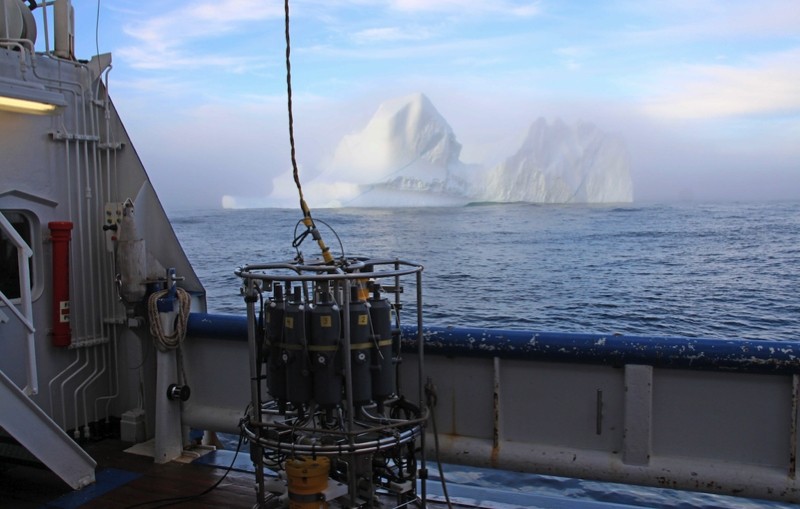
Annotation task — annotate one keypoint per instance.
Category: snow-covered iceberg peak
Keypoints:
(412, 127)
(558, 163)
(407, 145)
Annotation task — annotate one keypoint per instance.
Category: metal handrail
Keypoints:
(24, 253)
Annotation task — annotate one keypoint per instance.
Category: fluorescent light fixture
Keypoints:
(32, 98)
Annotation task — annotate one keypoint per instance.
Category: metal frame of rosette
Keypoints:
(354, 434)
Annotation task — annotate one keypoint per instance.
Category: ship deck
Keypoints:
(128, 480)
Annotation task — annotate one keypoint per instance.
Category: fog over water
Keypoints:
(703, 94)
(408, 155)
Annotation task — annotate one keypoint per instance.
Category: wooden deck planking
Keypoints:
(24, 487)
(181, 480)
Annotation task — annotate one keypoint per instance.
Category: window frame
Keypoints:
(30, 233)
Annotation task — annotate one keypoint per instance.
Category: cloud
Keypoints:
(699, 19)
(467, 7)
(174, 59)
(166, 41)
(168, 86)
(390, 34)
(457, 49)
(572, 56)
(770, 18)
(761, 86)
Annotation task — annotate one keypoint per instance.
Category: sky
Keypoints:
(705, 93)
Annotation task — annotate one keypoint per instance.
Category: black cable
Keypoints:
(166, 502)
(299, 238)
(430, 394)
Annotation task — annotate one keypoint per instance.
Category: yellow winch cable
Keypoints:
(307, 219)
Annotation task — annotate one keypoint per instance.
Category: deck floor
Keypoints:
(130, 479)
(133, 481)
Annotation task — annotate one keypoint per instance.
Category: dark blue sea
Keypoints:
(720, 270)
(682, 269)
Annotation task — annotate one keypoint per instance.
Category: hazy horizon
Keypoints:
(703, 93)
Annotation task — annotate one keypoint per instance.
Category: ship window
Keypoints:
(9, 265)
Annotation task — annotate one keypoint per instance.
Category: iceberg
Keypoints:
(408, 156)
(558, 163)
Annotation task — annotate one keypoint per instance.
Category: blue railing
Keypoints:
(756, 356)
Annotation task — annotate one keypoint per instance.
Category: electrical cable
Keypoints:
(430, 396)
(166, 502)
(299, 238)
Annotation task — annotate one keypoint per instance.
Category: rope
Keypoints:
(166, 342)
(295, 171)
(307, 219)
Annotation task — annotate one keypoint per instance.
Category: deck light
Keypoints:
(22, 97)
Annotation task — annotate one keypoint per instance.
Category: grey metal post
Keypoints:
(348, 388)
(250, 298)
(422, 403)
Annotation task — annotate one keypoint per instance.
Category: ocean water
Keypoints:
(716, 270)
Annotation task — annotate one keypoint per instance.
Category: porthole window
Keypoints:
(9, 265)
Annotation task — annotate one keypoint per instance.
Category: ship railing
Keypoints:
(24, 254)
(701, 414)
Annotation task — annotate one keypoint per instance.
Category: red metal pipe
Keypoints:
(60, 235)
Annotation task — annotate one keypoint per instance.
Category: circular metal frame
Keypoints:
(350, 437)
(321, 271)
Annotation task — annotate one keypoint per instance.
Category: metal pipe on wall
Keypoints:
(113, 375)
(64, 383)
(108, 261)
(81, 386)
(53, 380)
